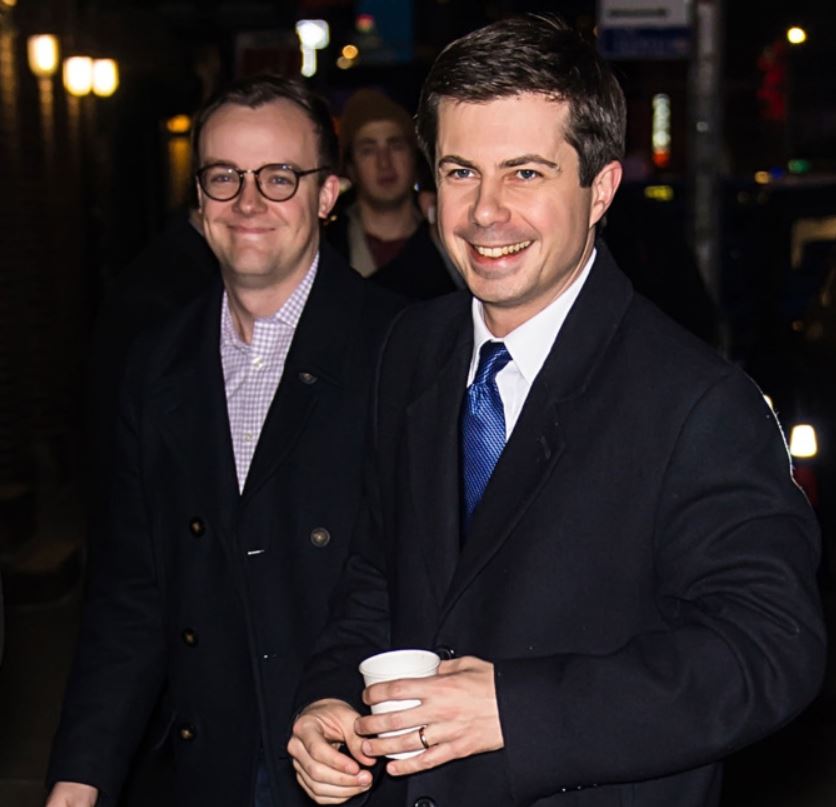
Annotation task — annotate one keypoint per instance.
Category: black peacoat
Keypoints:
(640, 570)
(211, 597)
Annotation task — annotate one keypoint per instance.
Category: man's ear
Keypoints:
(328, 195)
(604, 186)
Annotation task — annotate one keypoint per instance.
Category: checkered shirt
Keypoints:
(252, 372)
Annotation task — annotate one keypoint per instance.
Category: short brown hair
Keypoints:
(532, 53)
(255, 91)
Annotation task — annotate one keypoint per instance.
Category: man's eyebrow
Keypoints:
(514, 162)
(454, 159)
(524, 159)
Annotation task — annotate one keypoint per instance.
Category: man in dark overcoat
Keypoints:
(588, 514)
(236, 477)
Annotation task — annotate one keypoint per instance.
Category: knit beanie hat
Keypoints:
(365, 106)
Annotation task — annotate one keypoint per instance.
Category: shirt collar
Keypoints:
(288, 315)
(529, 344)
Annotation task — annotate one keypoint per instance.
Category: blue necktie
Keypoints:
(482, 425)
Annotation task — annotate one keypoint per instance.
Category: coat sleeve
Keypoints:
(118, 669)
(741, 649)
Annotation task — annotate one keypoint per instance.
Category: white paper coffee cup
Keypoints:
(391, 666)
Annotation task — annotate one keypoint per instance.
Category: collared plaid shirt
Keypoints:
(252, 372)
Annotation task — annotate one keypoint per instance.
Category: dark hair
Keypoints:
(255, 91)
(531, 53)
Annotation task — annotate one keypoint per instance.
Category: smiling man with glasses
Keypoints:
(236, 477)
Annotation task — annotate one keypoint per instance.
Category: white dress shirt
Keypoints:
(529, 345)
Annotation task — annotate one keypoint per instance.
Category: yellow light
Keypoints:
(796, 35)
(9, 3)
(105, 77)
(345, 64)
(78, 75)
(314, 34)
(803, 443)
(350, 51)
(178, 124)
(769, 402)
(42, 51)
(661, 193)
(762, 177)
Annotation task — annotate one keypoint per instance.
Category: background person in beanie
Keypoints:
(381, 231)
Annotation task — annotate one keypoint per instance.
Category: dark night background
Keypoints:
(86, 183)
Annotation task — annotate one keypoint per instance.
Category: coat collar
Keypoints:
(536, 444)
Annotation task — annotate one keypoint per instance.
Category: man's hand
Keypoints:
(458, 711)
(325, 774)
(72, 794)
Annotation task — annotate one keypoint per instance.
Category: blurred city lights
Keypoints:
(314, 34)
(796, 35)
(42, 52)
(803, 443)
(105, 77)
(762, 177)
(78, 75)
(364, 23)
(659, 193)
(350, 51)
(661, 137)
(178, 124)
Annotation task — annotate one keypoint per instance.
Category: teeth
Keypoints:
(498, 252)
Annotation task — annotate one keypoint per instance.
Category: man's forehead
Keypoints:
(278, 124)
(380, 129)
(506, 126)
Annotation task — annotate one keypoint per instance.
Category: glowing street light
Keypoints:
(78, 75)
(105, 77)
(313, 35)
(796, 35)
(43, 54)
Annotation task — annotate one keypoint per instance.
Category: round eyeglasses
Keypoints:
(276, 182)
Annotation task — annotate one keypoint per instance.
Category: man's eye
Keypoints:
(460, 173)
(220, 178)
(279, 179)
(528, 174)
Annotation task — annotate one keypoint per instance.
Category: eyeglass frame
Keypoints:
(242, 172)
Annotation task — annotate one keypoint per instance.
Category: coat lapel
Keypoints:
(190, 405)
(434, 462)
(315, 363)
(537, 442)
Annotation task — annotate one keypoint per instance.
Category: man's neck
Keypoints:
(388, 223)
(248, 303)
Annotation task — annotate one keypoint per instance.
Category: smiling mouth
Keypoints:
(500, 252)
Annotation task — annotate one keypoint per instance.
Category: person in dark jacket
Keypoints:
(586, 512)
(235, 478)
(381, 231)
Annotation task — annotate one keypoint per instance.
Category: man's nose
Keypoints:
(384, 158)
(249, 200)
(489, 206)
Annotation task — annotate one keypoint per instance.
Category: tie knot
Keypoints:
(493, 356)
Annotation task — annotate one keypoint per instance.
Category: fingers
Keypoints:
(72, 794)
(327, 775)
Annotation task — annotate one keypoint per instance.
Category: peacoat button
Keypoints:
(187, 732)
(307, 378)
(189, 637)
(320, 537)
(197, 526)
(445, 653)
(424, 801)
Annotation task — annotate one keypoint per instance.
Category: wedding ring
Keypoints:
(422, 738)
